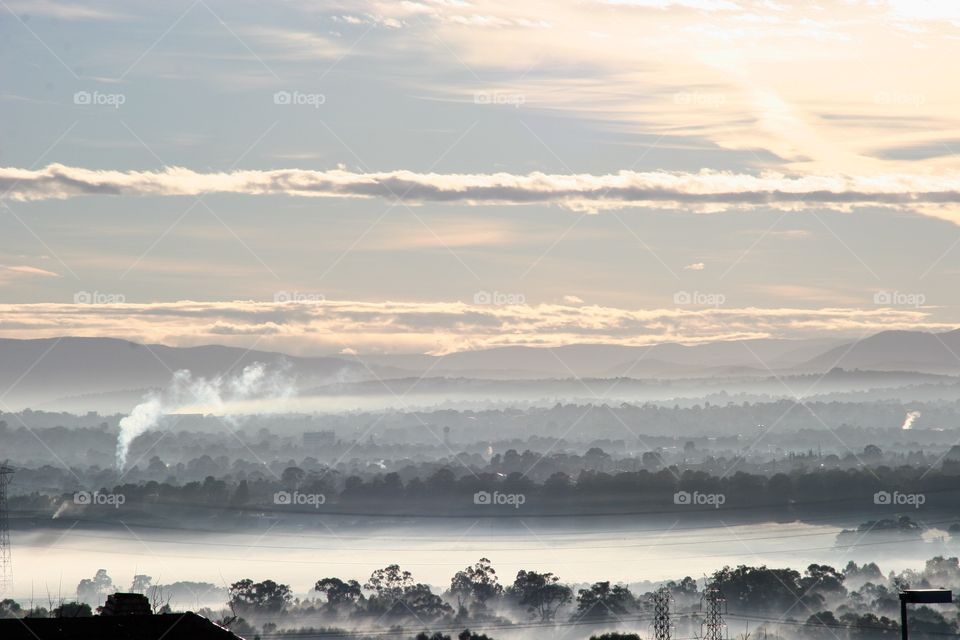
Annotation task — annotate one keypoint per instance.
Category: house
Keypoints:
(125, 616)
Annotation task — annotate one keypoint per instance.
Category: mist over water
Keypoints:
(611, 549)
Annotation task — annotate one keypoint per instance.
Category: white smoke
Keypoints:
(254, 382)
(910, 419)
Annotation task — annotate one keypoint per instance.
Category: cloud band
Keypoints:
(703, 191)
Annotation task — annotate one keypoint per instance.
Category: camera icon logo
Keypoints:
(282, 497)
(82, 297)
(82, 97)
(282, 297)
(882, 297)
(682, 297)
(482, 297)
(82, 497)
(482, 497)
(882, 497)
(282, 97)
(682, 497)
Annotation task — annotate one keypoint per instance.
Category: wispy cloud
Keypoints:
(11, 271)
(704, 191)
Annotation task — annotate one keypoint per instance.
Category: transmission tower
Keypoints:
(662, 627)
(6, 567)
(713, 605)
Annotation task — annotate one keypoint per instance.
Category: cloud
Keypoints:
(26, 270)
(63, 10)
(723, 85)
(572, 300)
(695, 266)
(704, 191)
(330, 326)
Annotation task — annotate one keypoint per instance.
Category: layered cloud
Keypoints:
(312, 325)
(704, 191)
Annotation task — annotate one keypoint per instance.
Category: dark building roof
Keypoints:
(127, 604)
(169, 626)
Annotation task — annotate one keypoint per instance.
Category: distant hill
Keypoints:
(894, 351)
(33, 372)
(113, 374)
(738, 357)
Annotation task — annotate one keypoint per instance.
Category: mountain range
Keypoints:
(39, 372)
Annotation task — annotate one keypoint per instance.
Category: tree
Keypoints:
(926, 621)
(476, 584)
(423, 604)
(241, 495)
(872, 453)
(686, 588)
(602, 602)
(140, 583)
(292, 477)
(339, 593)
(825, 580)
(391, 586)
(763, 589)
(870, 627)
(821, 625)
(10, 609)
(389, 582)
(541, 593)
(251, 598)
(91, 590)
(72, 610)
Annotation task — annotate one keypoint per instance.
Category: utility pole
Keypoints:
(662, 627)
(6, 566)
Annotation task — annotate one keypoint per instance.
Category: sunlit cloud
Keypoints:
(704, 191)
(11, 271)
(329, 326)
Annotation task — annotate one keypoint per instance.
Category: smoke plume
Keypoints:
(184, 390)
(910, 419)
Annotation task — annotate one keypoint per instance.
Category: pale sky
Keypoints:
(451, 174)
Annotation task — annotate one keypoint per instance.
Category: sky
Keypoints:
(439, 175)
